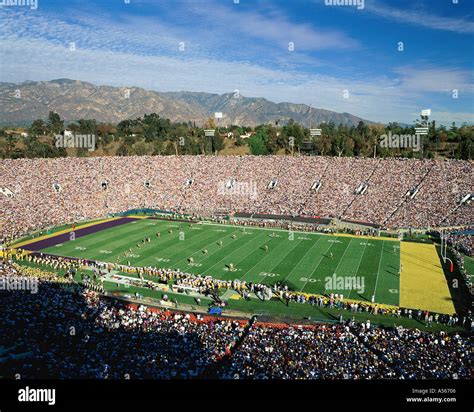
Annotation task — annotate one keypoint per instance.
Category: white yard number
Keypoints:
(269, 274)
(310, 280)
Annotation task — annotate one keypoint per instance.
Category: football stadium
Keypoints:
(158, 224)
(182, 237)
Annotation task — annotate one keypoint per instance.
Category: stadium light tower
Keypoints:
(423, 130)
(218, 116)
(312, 132)
(426, 113)
(209, 133)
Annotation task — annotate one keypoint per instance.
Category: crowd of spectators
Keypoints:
(437, 203)
(463, 241)
(38, 193)
(323, 352)
(349, 351)
(60, 333)
(64, 331)
(417, 355)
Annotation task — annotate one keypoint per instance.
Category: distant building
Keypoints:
(16, 133)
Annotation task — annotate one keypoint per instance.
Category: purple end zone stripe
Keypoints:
(56, 240)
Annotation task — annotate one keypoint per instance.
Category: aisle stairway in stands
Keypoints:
(185, 188)
(311, 192)
(213, 370)
(354, 197)
(406, 199)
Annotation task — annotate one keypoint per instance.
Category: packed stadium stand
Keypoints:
(112, 339)
(66, 331)
(393, 193)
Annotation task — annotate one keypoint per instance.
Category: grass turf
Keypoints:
(469, 265)
(303, 261)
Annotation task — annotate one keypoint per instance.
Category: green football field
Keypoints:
(469, 265)
(303, 261)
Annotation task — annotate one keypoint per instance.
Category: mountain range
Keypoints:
(22, 103)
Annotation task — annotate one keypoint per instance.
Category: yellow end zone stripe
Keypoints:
(422, 281)
(61, 232)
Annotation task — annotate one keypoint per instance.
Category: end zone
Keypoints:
(422, 281)
(61, 236)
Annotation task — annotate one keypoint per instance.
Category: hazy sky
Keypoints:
(342, 58)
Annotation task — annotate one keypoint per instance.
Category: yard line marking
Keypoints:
(358, 266)
(340, 260)
(94, 244)
(344, 254)
(200, 249)
(266, 241)
(378, 272)
(104, 237)
(320, 260)
(172, 246)
(302, 257)
(230, 254)
(271, 229)
(378, 238)
(227, 256)
(284, 257)
(250, 269)
(130, 242)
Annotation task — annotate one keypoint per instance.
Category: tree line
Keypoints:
(154, 135)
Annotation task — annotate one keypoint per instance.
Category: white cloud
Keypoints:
(375, 99)
(422, 18)
(447, 118)
(425, 79)
(34, 47)
(275, 27)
